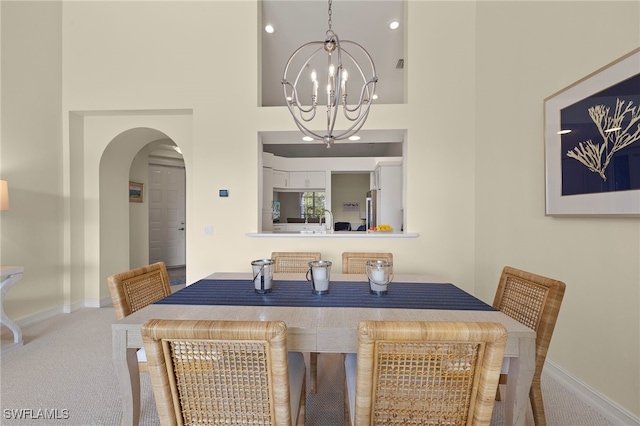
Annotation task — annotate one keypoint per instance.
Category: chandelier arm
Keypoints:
(304, 130)
(357, 124)
(362, 101)
(365, 89)
(301, 114)
(285, 82)
(294, 100)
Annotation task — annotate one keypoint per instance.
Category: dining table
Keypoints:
(323, 323)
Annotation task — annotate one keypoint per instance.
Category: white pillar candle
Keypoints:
(319, 273)
(321, 285)
(377, 275)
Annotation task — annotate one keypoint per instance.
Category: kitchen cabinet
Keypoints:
(307, 180)
(279, 227)
(389, 196)
(267, 198)
(280, 179)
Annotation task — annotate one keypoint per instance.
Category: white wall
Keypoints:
(347, 188)
(32, 154)
(549, 46)
(477, 74)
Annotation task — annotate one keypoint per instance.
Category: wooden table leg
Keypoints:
(313, 372)
(125, 362)
(8, 282)
(520, 374)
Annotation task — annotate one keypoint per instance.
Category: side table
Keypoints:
(10, 275)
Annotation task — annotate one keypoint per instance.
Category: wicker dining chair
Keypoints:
(293, 261)
(298, 262)
(534, 301)
(207, 372)
(422, 372)
(133, 290)
(354, 262)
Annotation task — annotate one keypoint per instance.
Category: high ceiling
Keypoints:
(365, 22)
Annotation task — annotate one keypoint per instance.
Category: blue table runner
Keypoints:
(342, 294)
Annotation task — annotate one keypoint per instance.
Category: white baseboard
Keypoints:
(98, 303)
(62, 309)
(605, 406)
(39, 316)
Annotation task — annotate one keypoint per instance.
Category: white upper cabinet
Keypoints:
(389, 203)
(307, 180)
(280, 179)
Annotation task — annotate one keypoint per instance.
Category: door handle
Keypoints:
(180, 229)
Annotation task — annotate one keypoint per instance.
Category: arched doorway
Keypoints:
(102, 146)
(127, 228)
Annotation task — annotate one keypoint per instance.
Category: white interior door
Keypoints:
(167, 225)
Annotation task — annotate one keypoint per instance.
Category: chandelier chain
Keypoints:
(330, 13)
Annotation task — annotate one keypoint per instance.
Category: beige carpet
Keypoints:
(65, 364)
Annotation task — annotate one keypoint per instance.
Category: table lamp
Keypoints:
(4, 195)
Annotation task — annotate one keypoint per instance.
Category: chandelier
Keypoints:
(301, 87)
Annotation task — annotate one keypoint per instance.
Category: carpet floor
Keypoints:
(65, 368)
(177, 275)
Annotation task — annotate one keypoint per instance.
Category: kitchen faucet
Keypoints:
(330, 215)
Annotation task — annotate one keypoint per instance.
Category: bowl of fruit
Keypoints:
(383, 227)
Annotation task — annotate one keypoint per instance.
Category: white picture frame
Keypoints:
(560, 201)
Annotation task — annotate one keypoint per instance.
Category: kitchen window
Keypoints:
(312, 204)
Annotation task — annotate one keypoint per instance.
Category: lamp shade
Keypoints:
(4, 195)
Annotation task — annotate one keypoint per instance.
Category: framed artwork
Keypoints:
(351, 206)
(136, 192)
(592, 143)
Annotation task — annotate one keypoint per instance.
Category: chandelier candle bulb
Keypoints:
(314, 79)
(344, 83)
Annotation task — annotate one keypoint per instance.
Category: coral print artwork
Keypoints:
(601, 141)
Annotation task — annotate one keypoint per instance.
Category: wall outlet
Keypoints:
(208, 230)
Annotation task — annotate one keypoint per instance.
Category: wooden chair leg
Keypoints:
(313, 372)
(501, 381)
(347, 412)
(302, 411)
(537, 405)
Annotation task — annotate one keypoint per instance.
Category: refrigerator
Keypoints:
(372, 209)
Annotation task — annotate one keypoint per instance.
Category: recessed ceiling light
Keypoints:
(269, 28)
(394, 25)
(564, 132)
(375, 96)
(354, 138)
(307, 138)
